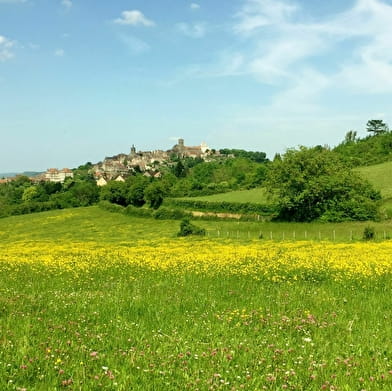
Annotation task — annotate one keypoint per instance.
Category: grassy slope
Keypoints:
(256, 196)
(380, 176)
(83, 224)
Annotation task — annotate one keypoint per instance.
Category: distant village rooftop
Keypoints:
(148, 162)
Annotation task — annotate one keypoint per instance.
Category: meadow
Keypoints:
(91, 300)
(257, 196)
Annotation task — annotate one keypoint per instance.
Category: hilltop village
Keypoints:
(120, 166)
(147, 162)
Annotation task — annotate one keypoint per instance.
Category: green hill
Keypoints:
(380, 176)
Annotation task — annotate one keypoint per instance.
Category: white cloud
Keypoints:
(66, 3)
(195, 30)
(134, 18)
(313, 65)
(194, 6)
(282, 47)
(370, 66)
(259, 13)
(59, 53)
(6, 46)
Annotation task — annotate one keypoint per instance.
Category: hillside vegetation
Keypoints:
(370, 150)
(303, 184)
(379, 175)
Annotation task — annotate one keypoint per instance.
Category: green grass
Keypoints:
(338, 232)
(94, 224)
(127, 328)
(83, 224)
(97, 225)
(130, 330)
(256, 196)
(380, 176)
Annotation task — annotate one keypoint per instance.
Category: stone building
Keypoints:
(55, 175)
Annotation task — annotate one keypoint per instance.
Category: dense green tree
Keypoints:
(115, 192)
(154, 194)
(259, 157)
(29, 193)
(314, 183)
(135, 193)
(50, 187)
(84, 193)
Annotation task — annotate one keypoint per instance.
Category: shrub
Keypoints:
(369, 233)
(187, 228)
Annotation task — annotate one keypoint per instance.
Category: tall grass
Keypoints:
(132, 330)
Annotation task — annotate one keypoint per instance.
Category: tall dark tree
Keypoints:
(376, 126)
(179, 170)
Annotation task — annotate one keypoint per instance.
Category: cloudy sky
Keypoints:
(85, 79)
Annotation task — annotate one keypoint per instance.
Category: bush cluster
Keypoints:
(187, 228)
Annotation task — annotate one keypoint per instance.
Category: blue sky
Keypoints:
(85, 79)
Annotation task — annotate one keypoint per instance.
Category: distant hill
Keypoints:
(12, 174)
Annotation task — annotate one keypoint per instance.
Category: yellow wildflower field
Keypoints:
(275, 261)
